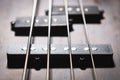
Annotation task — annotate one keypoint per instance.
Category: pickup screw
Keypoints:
(27, 21)
(94, 48)
(82, 58)
(86, 9)
(86, 48)
(65, 48)
(69, 9)
(54, 19)
(77, 9)
(53, 48)
(74, 48)
(44, 49)
(37, 58)
(45, 20)
(37, 20)
(24, 49)
(60, 9)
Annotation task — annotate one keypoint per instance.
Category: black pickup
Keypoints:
(92, 13)
(59, 57)
(21, 26)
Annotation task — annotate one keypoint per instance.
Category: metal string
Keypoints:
(49, 40)
(29, 43)
(69, 41)
(87, 39)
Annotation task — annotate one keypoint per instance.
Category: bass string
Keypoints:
(87, 39)
(69, 40)
(49, 40)
(29, 43)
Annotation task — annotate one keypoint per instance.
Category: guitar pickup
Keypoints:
(59, 57)
(92, 13)
(21, 26)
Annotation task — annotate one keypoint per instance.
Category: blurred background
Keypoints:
(107, 32)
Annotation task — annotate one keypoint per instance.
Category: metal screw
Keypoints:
(60, 9)
(86, 48)
(86, 9)
(69, 9)
(65, 48)
(45, 20)
(77, 9)
(27, 21)
(37, 58)
(24, 49)
(44, 49)
(94, 48)
(82, 58)
(74, 48)
(37, 20)
(54, 19)
(53, 48)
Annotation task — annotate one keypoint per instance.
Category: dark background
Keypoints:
(108, 32)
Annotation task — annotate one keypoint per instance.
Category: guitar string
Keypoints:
(29, 43)
(49, 40)
(69, 40)
(87, 39)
